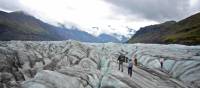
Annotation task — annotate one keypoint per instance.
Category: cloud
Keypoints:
(10, 5)
(157, 10)
(119, 14)
(84, 14)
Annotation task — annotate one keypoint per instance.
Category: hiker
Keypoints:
(130, 67)
(135, 61)
(126, 59)
(121, 59)
(161, 63)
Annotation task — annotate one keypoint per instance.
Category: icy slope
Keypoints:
(71, 64)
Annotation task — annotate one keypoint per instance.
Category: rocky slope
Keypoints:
(71, 64)
(186, 31)
(152, 33)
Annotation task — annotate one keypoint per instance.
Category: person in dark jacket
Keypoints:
(135, 61)
(121, 59)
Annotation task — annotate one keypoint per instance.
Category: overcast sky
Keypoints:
(111, 16)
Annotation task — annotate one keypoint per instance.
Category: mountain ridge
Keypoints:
(22, 26)
(186, 31)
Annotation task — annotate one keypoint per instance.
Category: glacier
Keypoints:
(73, 64)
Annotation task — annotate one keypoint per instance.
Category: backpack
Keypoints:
(121, 58)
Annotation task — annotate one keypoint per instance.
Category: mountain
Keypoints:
(108, 38)
(124, 38)
(186, 31)
(76, 34)
(152, 33)
(22, 26)
(112, 34)
(113, 37)
(120, 37)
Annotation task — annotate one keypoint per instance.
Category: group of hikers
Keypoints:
(122, 58)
